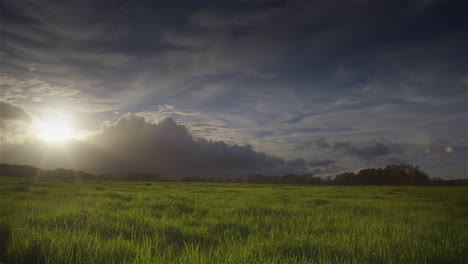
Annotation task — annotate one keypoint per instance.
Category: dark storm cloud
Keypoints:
(132, 144)
(296, 164)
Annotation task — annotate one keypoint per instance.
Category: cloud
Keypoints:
(366, 150)
(15, 123)
(440, 158)
(164, 111)
(14, 89)
(132, 144)
(12, 112)
(303, 145)
(325, 70)
(320, 163)
(169, 148)
(464, 80)
(324, 167)
(296, 164)
(372, 150)
(322, 143)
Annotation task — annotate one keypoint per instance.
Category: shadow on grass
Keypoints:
(298, 250)
(34, 253)
(179, 239)
(360, 210)
(259, 211)
(319, 202)
(229, 231)
(39, 192)
(314, 253)
(158, 207)
(118, 196)
(128, 228)
(19, 188)
(5, 237)
(179, 209)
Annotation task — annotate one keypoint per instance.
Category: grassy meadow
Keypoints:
(54, 221)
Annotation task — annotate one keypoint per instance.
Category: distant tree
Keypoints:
(300, 179)
(259, 178)
(143, 177)
(402, 174)
(11, 170)
(105, 176)
(197, 179)
(68, 174)
(344, 178)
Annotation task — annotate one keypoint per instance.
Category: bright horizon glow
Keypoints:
(55, 130)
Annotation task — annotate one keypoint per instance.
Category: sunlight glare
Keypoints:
(55, 130)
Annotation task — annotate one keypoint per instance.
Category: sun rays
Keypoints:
(54, 129)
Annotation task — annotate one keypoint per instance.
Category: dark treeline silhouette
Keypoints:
(442, 182)
(10, 170)
(286, 179)
(402, 174)
(211, 179)
(25, 171)
(390, 175)
(132, 177)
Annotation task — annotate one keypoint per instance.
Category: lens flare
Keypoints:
(448, 149)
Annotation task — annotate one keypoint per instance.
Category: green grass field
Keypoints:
(53, 221)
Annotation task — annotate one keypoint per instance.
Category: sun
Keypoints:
(55, 130)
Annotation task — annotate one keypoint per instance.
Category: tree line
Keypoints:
(389, 175)
(10, 170)
(402, 174)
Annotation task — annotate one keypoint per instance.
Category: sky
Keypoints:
(231, 88)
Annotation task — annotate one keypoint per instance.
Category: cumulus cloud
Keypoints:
(132, 144)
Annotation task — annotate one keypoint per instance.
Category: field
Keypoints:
(54, 221)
